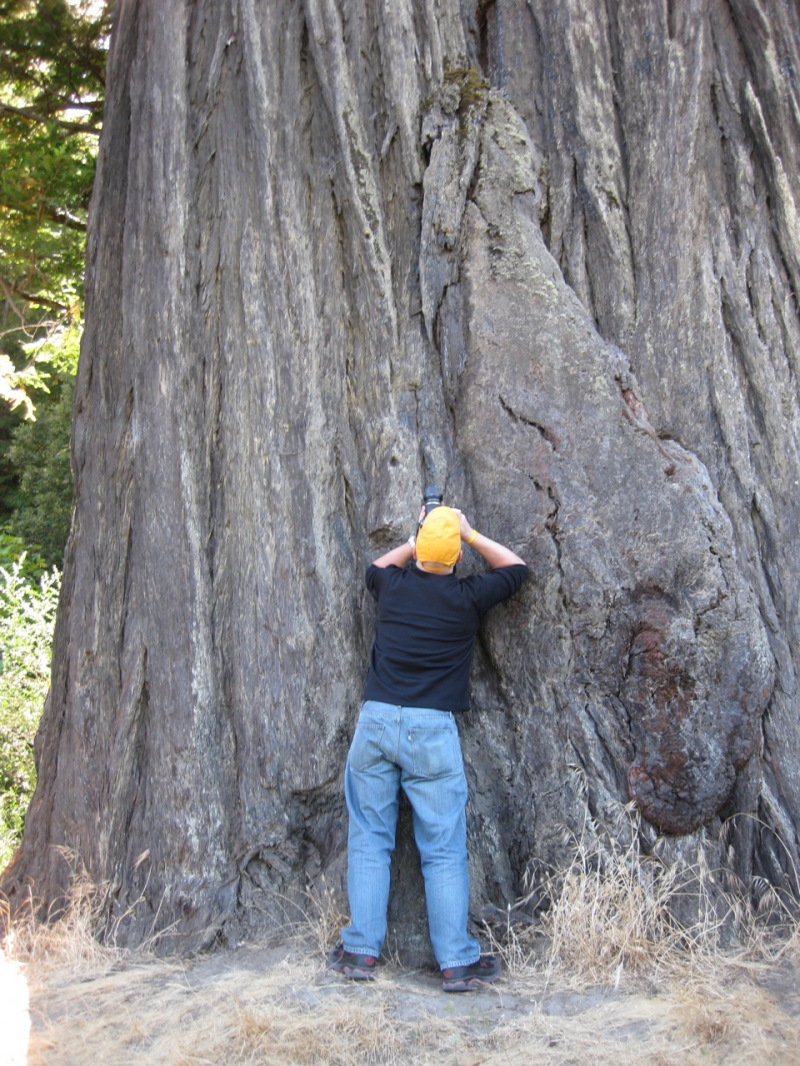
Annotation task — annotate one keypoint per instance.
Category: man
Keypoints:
(406, 737)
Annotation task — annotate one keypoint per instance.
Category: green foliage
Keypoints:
(53, 56)
(27, 616)
(14, 551)
(52, 71)
(43, 501)
(45, 183)
(36, 495)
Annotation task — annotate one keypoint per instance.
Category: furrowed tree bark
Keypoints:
(545, 255)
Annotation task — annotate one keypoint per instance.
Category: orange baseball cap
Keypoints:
(439, 540)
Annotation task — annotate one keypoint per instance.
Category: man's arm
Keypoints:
(493, 553)
(399, 556)
(402, 555)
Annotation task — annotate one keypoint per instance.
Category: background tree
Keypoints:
(545, 255)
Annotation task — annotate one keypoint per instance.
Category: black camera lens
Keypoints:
(431, 498)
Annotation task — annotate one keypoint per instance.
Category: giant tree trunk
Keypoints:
(545, 254)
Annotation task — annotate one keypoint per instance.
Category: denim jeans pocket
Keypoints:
(435, 750)
(365, 751)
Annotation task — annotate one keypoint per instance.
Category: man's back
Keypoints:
(427, 624)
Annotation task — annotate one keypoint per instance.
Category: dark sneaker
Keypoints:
(358, 967)
(464, 978)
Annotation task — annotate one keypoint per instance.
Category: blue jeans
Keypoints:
(417, 750)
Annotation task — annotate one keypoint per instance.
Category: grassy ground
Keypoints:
(605, 977)
(264, 1005)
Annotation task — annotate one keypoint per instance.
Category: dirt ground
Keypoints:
(278, 1004)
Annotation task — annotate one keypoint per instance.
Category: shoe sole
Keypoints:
(469, 985)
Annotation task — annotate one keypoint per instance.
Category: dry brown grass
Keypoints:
(605, 977)
(613, 912)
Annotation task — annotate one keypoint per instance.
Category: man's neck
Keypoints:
(433, 568)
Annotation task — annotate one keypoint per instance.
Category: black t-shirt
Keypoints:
(427, 624)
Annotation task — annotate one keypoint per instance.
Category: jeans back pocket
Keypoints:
(435, 750)
(365, 751)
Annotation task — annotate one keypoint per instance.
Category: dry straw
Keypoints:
(614, 911)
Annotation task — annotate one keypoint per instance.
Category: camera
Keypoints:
(431, 497)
